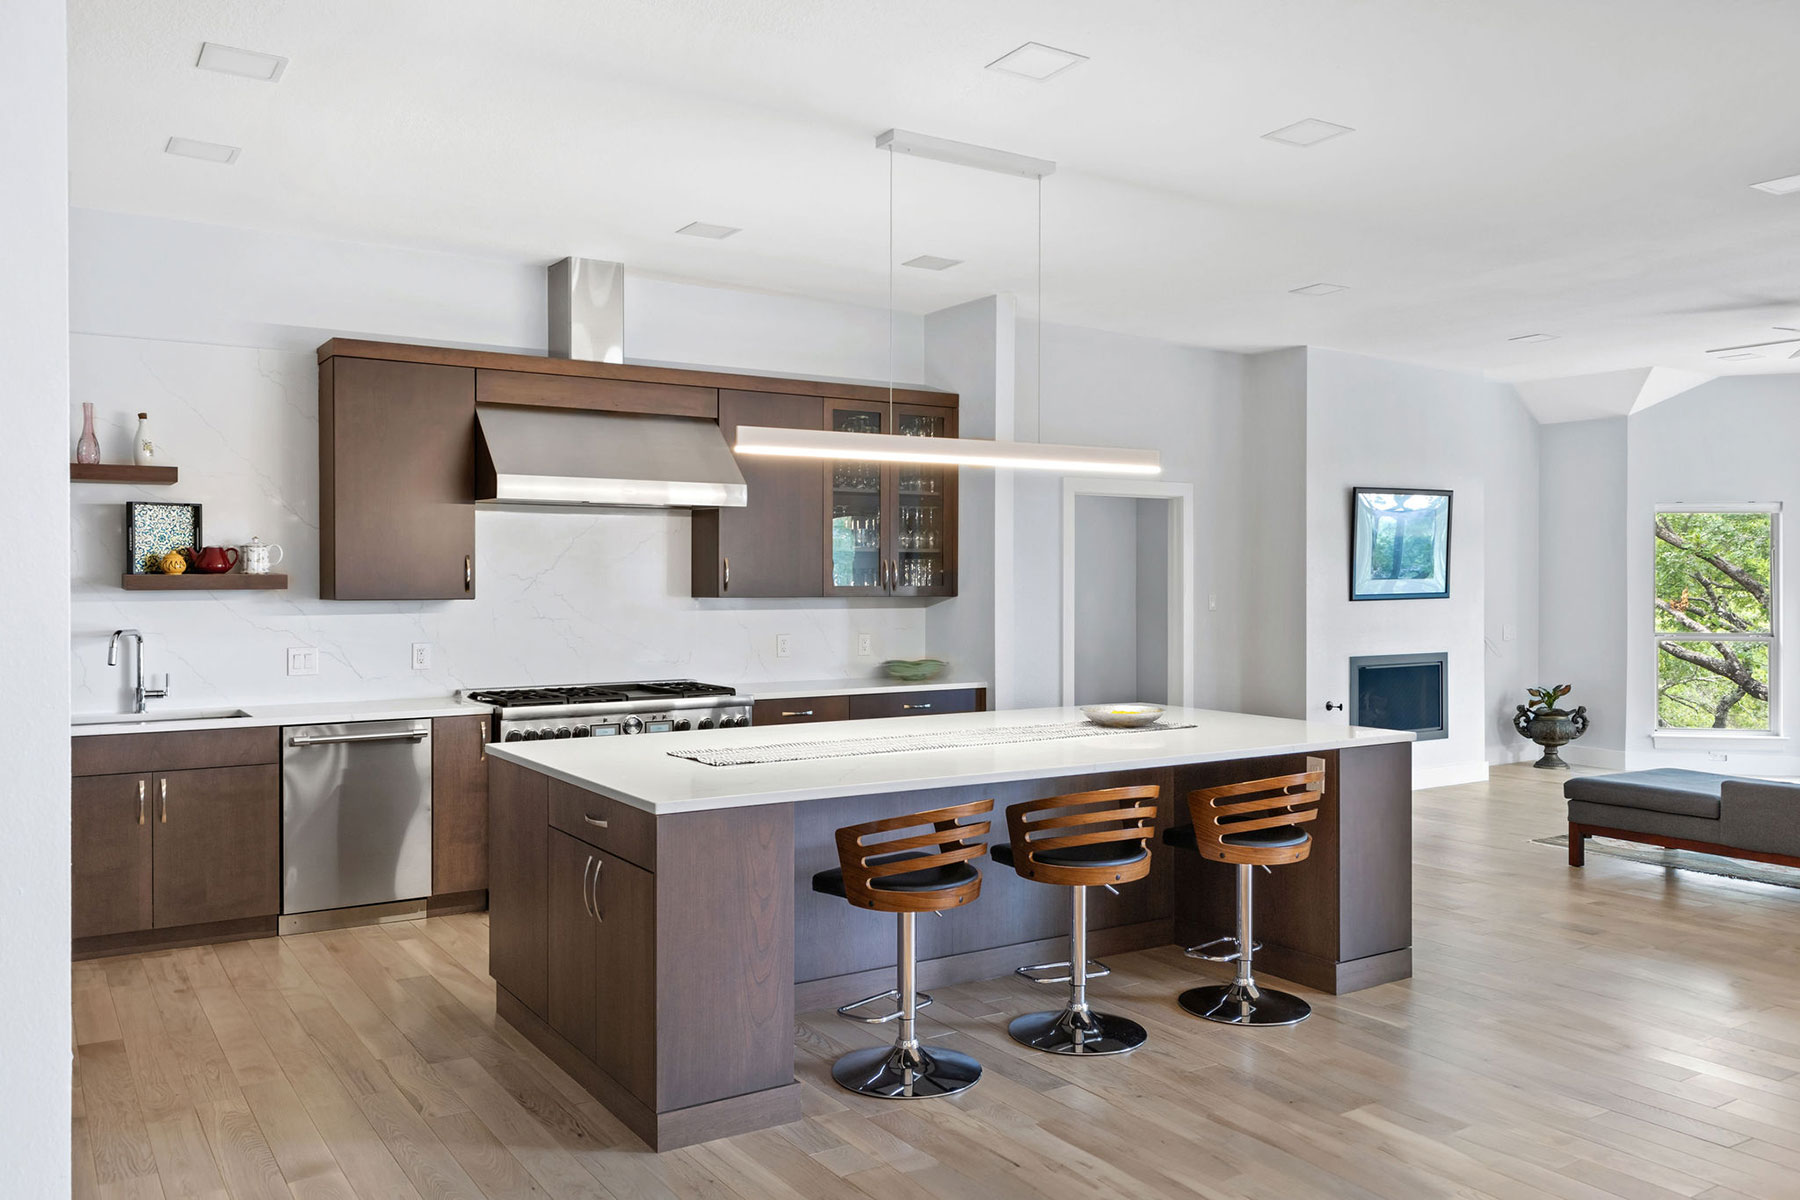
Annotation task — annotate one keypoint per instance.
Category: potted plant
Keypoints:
(1549, 726)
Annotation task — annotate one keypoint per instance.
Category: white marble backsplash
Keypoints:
(562, 597)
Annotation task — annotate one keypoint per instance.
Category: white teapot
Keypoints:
(259, 557)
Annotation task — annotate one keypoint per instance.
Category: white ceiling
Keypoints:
(1518, 166)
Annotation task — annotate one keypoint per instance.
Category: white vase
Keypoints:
(143, 447)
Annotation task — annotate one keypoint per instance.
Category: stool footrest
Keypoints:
(1204, 950)
(891, 996)
(1095, 970)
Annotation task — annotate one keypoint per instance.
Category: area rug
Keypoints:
(1684, 860)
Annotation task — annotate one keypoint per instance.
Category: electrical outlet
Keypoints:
(781, 645)
(1212, 602)
(865, 645)
(421, 656)
(303, 660)
(1717, 755)
(1509, 633)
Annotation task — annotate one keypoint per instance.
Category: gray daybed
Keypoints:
(1687, 810)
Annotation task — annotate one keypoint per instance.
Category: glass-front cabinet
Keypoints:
(893, 526)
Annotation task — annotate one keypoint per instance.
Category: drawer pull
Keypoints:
(143, 786)
(596, 822)
(807, 712)
(906, 706)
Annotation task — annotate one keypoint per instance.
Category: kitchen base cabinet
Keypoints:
(216, 846)
(459, 801)
(654, 984)
(110, 848)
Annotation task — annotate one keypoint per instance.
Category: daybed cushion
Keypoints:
(1760, 815)
(1643, 820)
(1662, 790)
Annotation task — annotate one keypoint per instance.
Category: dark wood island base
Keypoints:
(660, 959)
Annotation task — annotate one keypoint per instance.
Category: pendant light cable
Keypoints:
(892, 428)
(1038, 383)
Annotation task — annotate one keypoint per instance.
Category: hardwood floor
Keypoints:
(1616, 1031)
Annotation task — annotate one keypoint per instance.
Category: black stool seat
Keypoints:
(1094, 854)
(932, 879)
(1278, 837)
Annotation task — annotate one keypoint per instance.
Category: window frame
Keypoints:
(1772, 509)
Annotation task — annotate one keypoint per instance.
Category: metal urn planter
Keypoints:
(1549, 726)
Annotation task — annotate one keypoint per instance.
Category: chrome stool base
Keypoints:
(1077, 1032)
(1241, 1003)
(903, 1072)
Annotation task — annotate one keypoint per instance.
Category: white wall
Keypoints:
(34, 757)
(1582, 539)
(1376, 423)
(1106, 599)
(1153, 565)
(212, 331)
(1271, 510)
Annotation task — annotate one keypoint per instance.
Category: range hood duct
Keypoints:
(587, 310)
(567, 457)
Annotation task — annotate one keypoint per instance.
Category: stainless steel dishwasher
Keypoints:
(355, 816)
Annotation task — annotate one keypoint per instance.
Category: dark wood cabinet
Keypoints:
(396, 480)
(917, 704)
(518, 840)
(892, 528)
(625, 973)
(769, 546)
(571, 999)
(800, 710)
(110, 850)
(459, 804)
(216, 845)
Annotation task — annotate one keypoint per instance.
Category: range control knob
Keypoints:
(532, 735)
(737, 722)
(565, 732)
(706, 722)
(682, 725)
(583, 731)
(631, 725)
(515, 736)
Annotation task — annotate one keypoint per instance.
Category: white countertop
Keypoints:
(640, 772)
(263, 715)
(792, 689)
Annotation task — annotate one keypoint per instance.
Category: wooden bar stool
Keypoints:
(907, 875)
(1082, 840)
(1254, 824)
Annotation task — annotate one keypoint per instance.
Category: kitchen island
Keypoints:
(653, 927)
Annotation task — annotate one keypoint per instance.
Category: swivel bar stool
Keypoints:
(1082, 840)
(1261, 831)
(907, 875)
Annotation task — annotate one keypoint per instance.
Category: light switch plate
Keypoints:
(421, 656)
(781, 645)
(865, 645)
(303, 660)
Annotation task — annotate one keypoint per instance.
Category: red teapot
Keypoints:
(212, 560)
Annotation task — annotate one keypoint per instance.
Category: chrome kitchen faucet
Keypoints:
(141, 692)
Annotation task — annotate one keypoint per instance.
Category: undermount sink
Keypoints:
(157, 718)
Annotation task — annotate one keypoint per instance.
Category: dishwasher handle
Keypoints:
(405, 735)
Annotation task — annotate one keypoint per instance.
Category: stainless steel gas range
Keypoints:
(531, 714)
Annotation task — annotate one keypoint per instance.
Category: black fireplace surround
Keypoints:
(1401, 691)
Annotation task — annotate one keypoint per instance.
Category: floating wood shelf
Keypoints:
(194, 581)
(121, 473)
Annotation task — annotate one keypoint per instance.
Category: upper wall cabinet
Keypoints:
(892, 528)
(396, 480)
(771, 546)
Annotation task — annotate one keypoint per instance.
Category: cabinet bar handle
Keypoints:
(163, 786)
(585, 872)
(727, 586)
(915, 706)
(594, 821)
(599, 861)
(468, 572)
(143, 788)
(805, 712)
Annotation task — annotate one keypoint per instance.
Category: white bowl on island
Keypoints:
(1123, 716)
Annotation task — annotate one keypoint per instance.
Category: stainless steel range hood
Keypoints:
(578, 458)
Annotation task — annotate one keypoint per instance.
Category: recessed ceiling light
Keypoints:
(1740, 354)
(1309, 132)
(251, 64)
(1034, 60)
(211, 152)
(931, 262)
(702, 229)
(1319, 289)
(1534, 338)
(1785, 186)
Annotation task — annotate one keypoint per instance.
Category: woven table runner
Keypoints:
(896, 743)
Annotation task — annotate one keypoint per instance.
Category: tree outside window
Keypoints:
(1715, 626)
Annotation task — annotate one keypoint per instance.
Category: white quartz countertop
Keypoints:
(792, 689)
(263, 715)
(641, 772)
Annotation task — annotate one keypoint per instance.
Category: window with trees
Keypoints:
(1715, 619)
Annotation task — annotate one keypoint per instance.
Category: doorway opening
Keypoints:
(1127, 592)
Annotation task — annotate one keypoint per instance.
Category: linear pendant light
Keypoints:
(846, 444)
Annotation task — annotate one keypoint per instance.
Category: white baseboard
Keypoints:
(1449, 775)
(1498, 756)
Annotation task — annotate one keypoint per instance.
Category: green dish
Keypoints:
(914, 670)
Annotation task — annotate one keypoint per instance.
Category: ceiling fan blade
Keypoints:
(1755, 345)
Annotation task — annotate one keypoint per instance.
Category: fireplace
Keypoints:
(1401, 691)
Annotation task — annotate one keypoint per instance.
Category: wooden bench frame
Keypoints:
(1578, 834)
